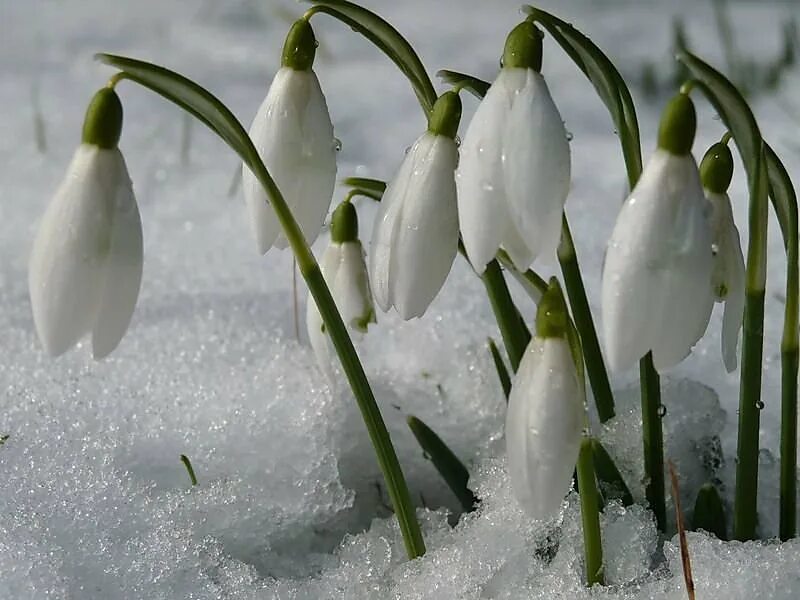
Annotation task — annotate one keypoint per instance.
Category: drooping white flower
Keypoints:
(86, 263)
(545, 417)
(415, 237)
(293, 134)
(728, 274)
(514, 173)
(344, 269)
(656, 294)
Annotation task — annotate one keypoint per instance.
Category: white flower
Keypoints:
(293, 134)
(514, 173)
(345, 272)
(544, 424)
(86, 263)
(656, 294)
(728, 275)
(415, 237)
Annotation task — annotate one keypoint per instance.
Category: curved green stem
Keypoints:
(512, 326)
(208, 109)
(581, 312)
(590, 514)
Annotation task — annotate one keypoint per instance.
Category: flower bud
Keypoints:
(446, 115)
(300, 47)
(678, 126)
(102, 125)
(523, 48)
(344, 223)
(551, 313)
(716, 168)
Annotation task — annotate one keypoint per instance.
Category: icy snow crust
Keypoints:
(95, 502)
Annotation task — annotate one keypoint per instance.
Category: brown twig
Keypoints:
(685, 560)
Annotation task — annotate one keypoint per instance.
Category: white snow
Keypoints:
(95, 502)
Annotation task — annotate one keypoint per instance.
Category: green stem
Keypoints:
(581, 312)
(189, 469)
(745, 502)
(653, 440)
(379, 435)
(788, 492)
(590, 514)
(512, 327)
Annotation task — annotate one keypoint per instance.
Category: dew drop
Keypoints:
(337, 144)
(407, 150)
(569, 136)
(662, 411)
(760, 405)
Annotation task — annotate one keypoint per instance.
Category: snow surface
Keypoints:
(95, 502)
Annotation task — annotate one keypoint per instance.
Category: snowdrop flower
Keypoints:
(656, 294)
(415, 237)
(546, 414)
(514, 173)
(728, 275)
(345, 271)
(86, 264)
(293, 134)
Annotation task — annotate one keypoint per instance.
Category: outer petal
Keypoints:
(543, 427)
(536, 165)
(67, 262)
(320, 342)
(425, 242)
(482, 210)
(728, 280)
(293, 133)
(123, 269)
(656, 259)
(351, 288)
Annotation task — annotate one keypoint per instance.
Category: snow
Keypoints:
(95, 502)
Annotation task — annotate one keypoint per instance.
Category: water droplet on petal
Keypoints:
(337, 144)
(569, 136)
(662, 411)
(760, 405)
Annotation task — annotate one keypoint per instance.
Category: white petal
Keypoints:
(425, 242)
(71, 247)
(123, 269)
(319, 339)
(536, 165)
(350, 287)
(544, 425)
(482, 210)
(652, 298)
(293, 133)
(728, 279)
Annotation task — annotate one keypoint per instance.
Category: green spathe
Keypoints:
(678, 126)
(551, 313)
(344, 223)
(300, 47)
(716, 168)
(446, 115)
(103, 123)
(523, 49)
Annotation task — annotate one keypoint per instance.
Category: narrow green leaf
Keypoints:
(189, 469)
(607, 81)
(614, 485)
(189, 96)
(709, 512)
(500, 366)
(387, 39)
(365, 183)
(446, 462)
(477, 87)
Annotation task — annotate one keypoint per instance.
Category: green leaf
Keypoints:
(476, 86)
(192, 98)
(388, 40)
(364, 186)
(709, 512)
(500, 366)
(737, 116)
(446, 462)
(609, 475)
(607, 81)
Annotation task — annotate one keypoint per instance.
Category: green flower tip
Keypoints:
(523, 48)
(678, 125)
(446, 115)
(551, 314)
(716, 168)
(102, 125)
(344, 223)
(300, 47)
